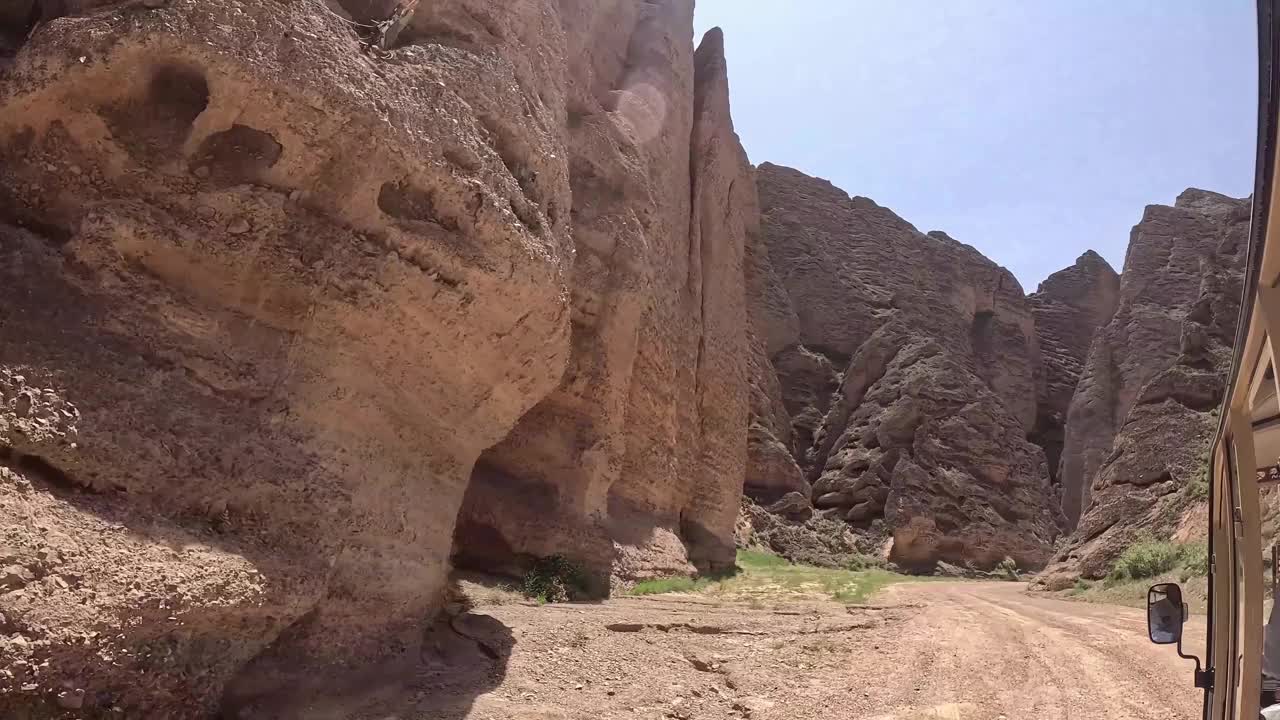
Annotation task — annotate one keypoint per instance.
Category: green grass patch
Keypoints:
(759, 559)
(1195, 561)
(658, 586)
(764, 578)
(1081, 586)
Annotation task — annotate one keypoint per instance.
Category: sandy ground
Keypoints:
(956, 651)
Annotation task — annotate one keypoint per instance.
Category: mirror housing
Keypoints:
(1166, 613)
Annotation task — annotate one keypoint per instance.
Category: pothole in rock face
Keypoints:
(239, 155)
(154, 127)
(406, 202)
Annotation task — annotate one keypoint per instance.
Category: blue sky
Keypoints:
(1030, 129)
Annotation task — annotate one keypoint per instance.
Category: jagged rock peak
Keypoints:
(712, 44)
(1206, 201)
(1064, 285)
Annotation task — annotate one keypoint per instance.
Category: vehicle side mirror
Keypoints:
(1165, 613)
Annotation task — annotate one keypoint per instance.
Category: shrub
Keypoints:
(1007, 570)
(1198, 488)
(864, 562)
(1145, 559)
(554, 579)
(1195, 560)
(1149, 558)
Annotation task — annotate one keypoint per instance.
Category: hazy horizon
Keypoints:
(1033, 132)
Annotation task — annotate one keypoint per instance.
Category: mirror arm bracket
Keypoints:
(1204, 676)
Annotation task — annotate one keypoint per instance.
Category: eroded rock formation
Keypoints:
(772, 470)
(1143, 413)
(634, 465)
(278, 278)
(911, 381)
(1067, 309)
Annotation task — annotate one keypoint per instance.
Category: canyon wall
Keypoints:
(302, 299)
(910, 379)
(305, 304)
(1146, 406)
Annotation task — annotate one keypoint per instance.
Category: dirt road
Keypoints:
(955, 651)
(984, 650)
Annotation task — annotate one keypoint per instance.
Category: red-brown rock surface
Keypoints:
(914, 372)
(772, 470)
(1067, 308)
(274, 279)
(1143, 412)
(635, 464)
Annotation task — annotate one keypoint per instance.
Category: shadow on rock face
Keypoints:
(16, 20)
(453, 662)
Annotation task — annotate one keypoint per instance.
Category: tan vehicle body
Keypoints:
(1246, 450)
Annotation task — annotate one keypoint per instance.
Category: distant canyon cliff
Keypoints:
(305, 305)
(944, 416)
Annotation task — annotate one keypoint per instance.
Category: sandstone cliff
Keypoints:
(283, 284)
(1067, 308)
(911, 381)
(634, 465)
(1145, 407)
(772, 471)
